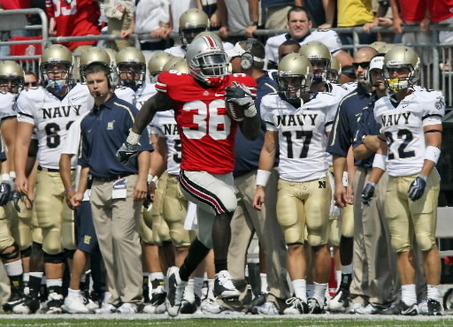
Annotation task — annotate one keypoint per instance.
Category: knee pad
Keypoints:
(26, 253)
(180, 237)
(54, 258)
(14, 253)
(425, 242)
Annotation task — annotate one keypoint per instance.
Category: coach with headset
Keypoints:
(248, 57)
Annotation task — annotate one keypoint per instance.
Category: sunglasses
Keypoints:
(31, 84)
(364, 64)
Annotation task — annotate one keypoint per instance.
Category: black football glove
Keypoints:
(368, 192)
(417, 188)
(5, 193)
(16, 197)
(126, 152)
(239, 94)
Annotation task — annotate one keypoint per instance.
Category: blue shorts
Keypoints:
(86, 235)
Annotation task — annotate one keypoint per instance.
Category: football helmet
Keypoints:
(212, 34)
(207, 60)
(334, 71)
(91, 56)
(319, 56)
(192, 22)
(12, 76)
(378, 45)
(57, 61)
(131, 67)
(178, 64)
(156, 64)
(294, 77)
(401, 57)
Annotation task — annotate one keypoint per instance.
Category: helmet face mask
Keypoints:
(131, 67)
(294, 77)
(55, 66)
(11, 77)
(401, 68)
(207, 60)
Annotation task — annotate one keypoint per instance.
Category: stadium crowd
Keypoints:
(123, 194)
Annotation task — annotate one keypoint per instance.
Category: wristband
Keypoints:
(133, 137)
(152, 178)
(262, 176)
(69, 189)
(250, 111)
(345, 180)
(432, 153)
(380, 161)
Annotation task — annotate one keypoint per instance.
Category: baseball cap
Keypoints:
(377, 63)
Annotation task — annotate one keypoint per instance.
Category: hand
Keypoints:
(140, 190)
(5, 193)
(126, 152)
(69, 195)
(417, 188)
(239, 94)
(258, 199)
(76, 199)
(249, 30)
(339, 195)
(368, 192)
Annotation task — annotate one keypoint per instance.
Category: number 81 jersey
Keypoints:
(207, 132)
(52, 118)
(301, 134)
(402, 124)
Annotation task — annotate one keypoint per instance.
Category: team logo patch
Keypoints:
(440, 104)
(110, 125)
(87, 239)
(322, 184)
(205, 93)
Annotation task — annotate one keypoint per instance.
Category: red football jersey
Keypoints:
(207, 132)
(75, 18)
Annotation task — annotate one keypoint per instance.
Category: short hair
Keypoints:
(298, 9)
(290, 42)
(96, 68)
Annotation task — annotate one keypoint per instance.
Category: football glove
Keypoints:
(417, 188)
(368, 192)
(239, 94)
(126, 152)
(16, 197)
(5, 193)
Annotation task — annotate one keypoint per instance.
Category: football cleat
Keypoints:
(224, 287)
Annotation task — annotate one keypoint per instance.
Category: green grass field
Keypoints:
(225, 321)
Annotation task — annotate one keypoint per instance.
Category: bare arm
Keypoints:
(158, 156)
(157, 102)
(23, 137)
(76, 199)
(431, 139)
(141, 186)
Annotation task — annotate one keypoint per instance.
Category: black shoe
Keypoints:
(434, 308)
(188, 307)
(30, 305)
(401, 308)
(55, 300)
(15, 299)
(314, 306)
(295, 306)
(257, 302)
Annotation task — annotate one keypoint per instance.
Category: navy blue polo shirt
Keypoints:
(104, 130)
(246, 152)
(345, 125)
(367, 125)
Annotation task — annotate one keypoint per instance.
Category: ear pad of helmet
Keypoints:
(247, 57)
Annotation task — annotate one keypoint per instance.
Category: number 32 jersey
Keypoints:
(301, 134)
(402, 124)
(52, 118)
(207, 132)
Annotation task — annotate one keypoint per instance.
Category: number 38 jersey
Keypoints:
(52, 118)
(207, 132)
(301, 134)
(402, 124)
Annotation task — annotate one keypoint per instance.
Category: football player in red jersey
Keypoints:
(207, 136)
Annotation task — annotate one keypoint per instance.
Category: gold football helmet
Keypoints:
(191, 23)
(156, 64)
(131, 67)
(294, 77)
(319, 56)
(334, 71)
(57, 61)
(11, 76)
(404, 59)
(178, 64)
(91, 56)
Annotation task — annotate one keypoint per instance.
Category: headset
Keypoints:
(247, 57)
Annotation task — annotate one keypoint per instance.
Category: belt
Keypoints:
(50, 170)
(110, 178)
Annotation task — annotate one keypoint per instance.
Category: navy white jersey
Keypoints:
(327, 37)
(301, 134)
(7, 105)
(52, 118)
(125, 93)
(177, 51)
(164, 125)
(402, 124)
(143, 93)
